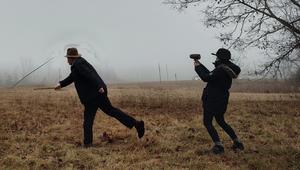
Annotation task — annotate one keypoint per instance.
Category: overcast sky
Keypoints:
(130, 37)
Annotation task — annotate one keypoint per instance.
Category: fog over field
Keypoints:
(125, 40)
(141, 50)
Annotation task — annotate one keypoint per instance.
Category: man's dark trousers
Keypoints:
(102, 102)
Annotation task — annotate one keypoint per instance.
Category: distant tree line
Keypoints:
(45, 76)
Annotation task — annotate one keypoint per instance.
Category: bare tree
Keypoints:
(273, 26)
(296, 76)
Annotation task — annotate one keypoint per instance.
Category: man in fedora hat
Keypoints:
(92, 92)
(215, 97)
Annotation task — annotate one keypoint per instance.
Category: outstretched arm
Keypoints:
(67, 81)
(204, 73)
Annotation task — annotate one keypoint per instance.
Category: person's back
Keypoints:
(86, 79)
(218, 85)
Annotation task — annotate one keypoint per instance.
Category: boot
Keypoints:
(237, 145)
(218, 149)
(140, 128)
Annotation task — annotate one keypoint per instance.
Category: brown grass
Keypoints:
(42, 130)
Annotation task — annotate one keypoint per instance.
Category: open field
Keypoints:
(42, 129)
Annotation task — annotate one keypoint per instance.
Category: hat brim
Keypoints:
(221, 58)
(73, 56)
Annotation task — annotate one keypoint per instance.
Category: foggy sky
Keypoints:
(126, 38)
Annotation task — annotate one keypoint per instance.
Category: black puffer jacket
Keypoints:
(86, 80)
(218, 82)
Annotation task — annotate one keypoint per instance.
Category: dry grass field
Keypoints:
(42, 129)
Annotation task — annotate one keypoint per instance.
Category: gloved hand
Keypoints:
(196, 63)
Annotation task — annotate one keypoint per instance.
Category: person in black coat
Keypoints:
(92, 92)
(215, 97)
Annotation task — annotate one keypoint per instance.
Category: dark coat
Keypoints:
(216, 93)
(86, 79)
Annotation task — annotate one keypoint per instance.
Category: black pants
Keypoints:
(217, 112)
(102, 102)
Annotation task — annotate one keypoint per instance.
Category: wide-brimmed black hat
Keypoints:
(72, 53)
(223, 54)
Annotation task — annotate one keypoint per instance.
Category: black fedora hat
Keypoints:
(223, 54)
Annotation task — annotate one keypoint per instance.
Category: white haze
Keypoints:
(125, 40)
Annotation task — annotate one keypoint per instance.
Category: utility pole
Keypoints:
(59, 75)
(167, 72)
(159, 72)
(175, 77)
